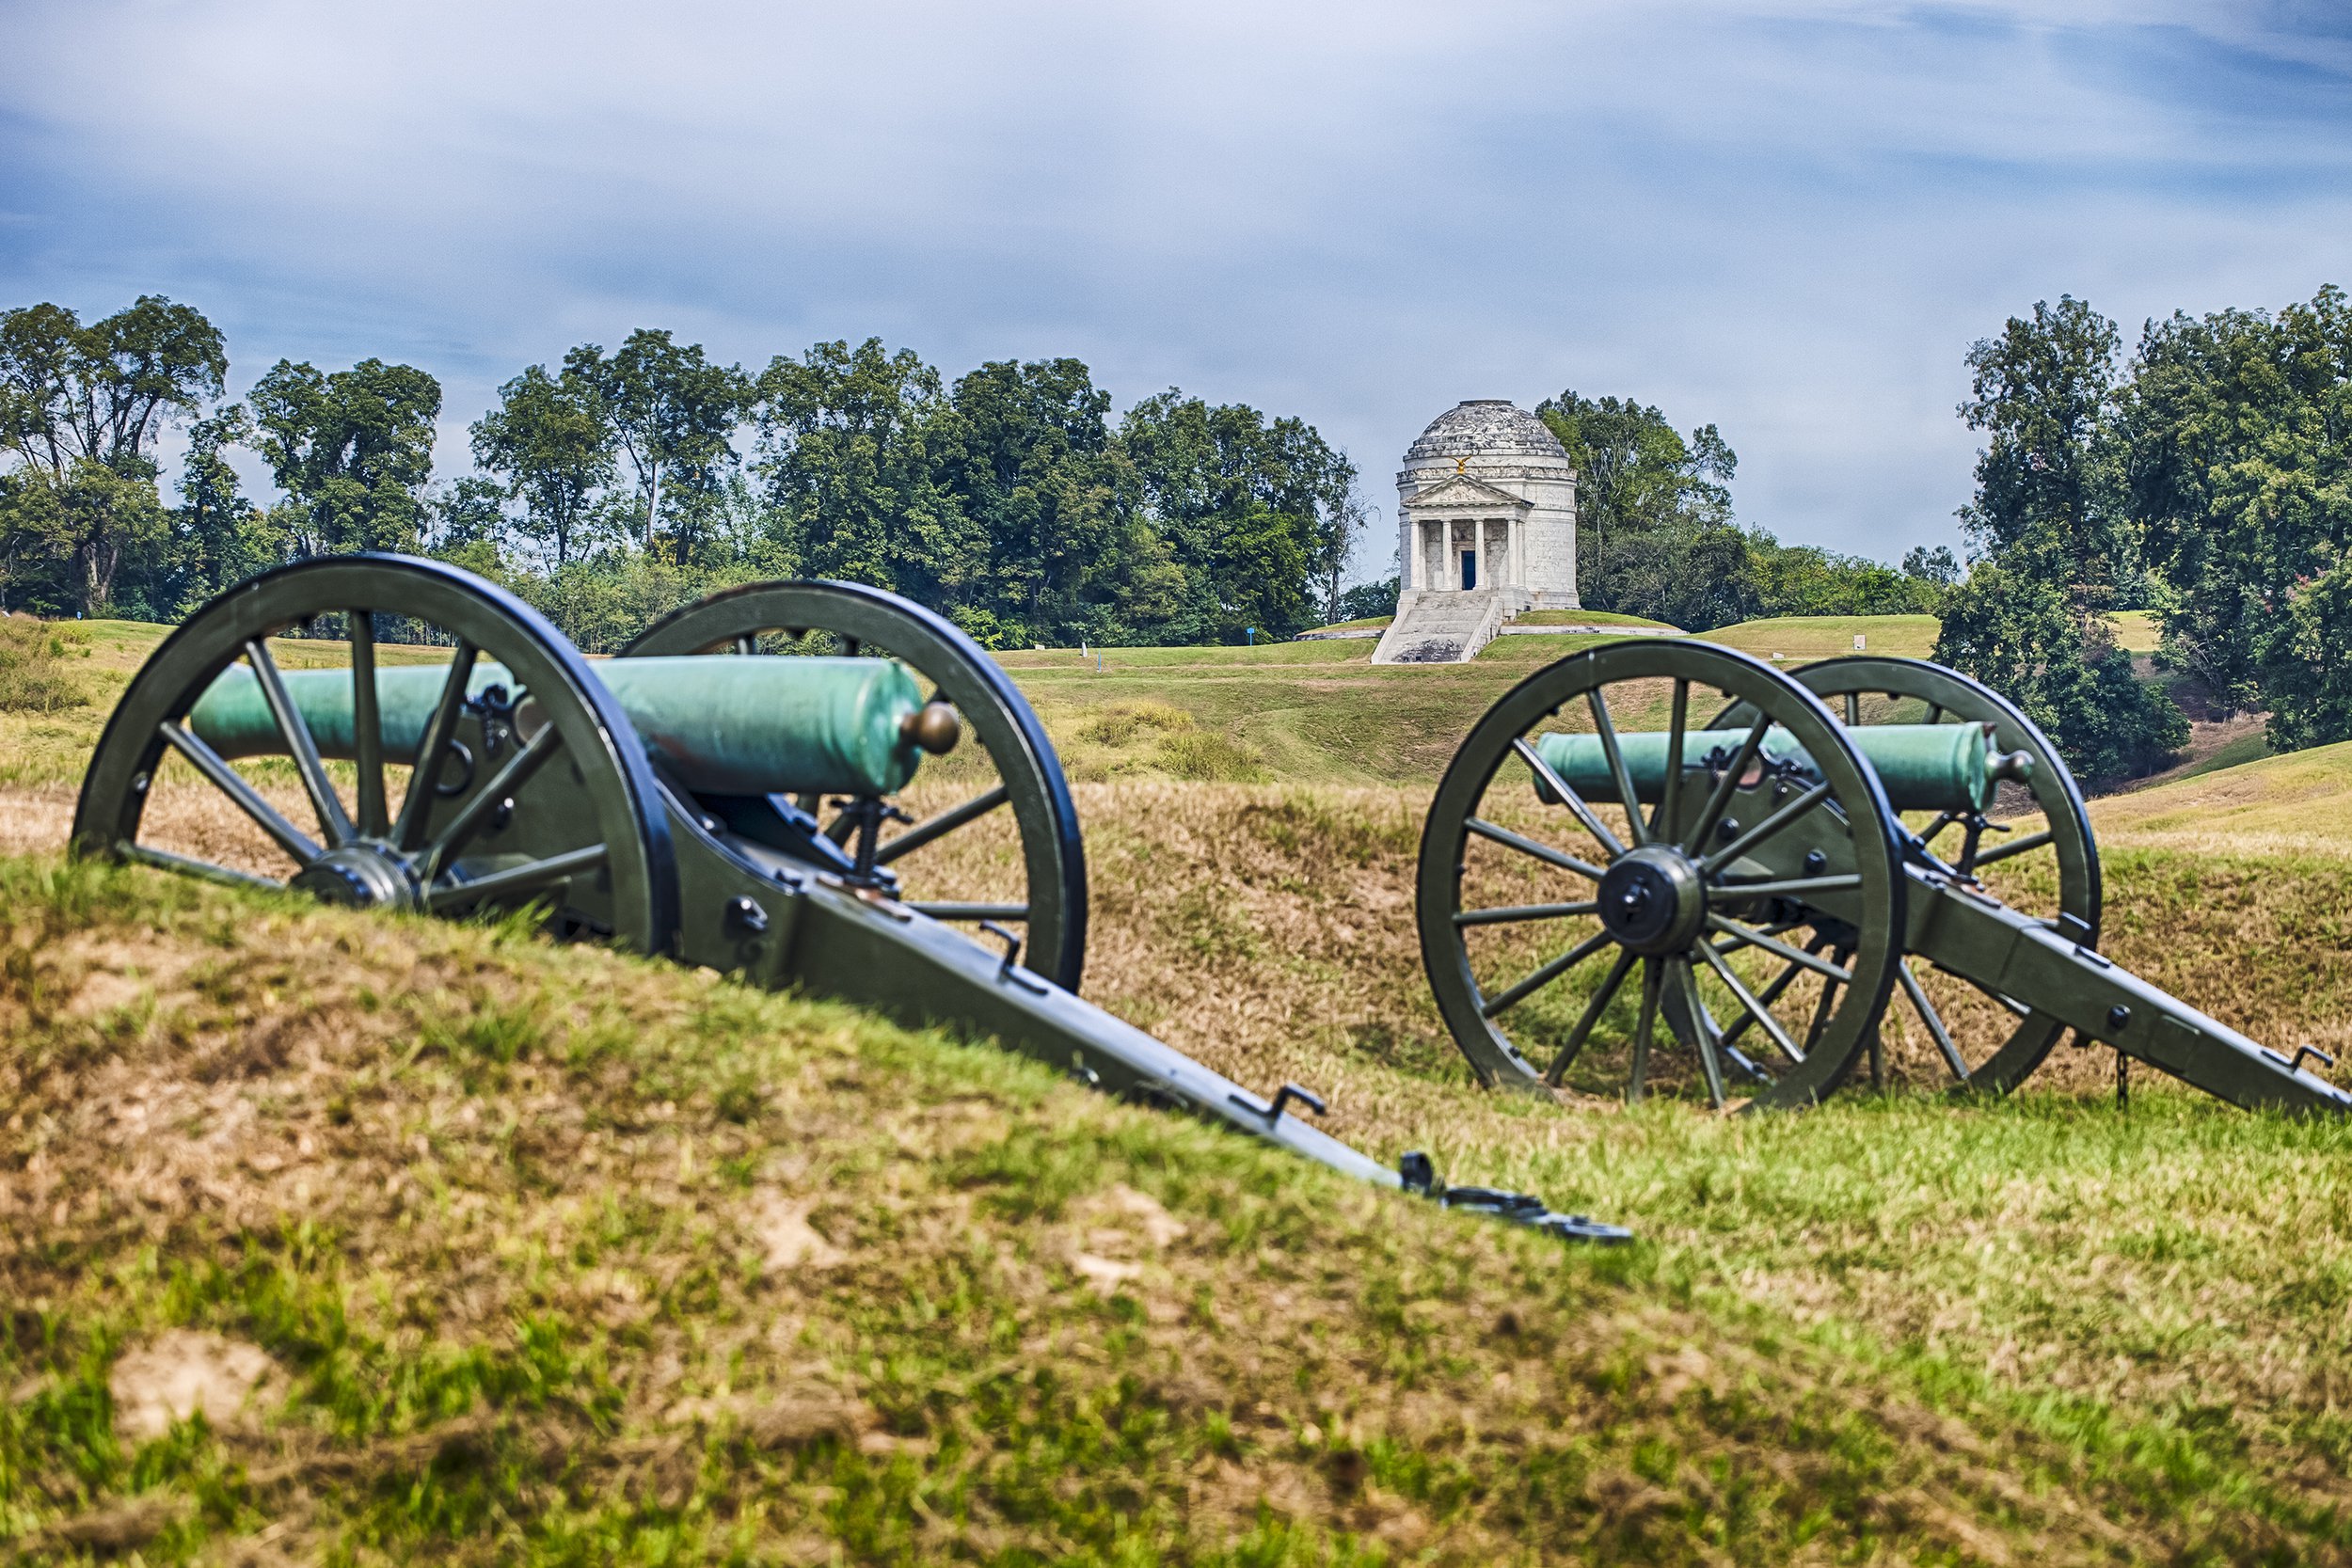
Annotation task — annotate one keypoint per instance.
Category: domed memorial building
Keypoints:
(1485, 510)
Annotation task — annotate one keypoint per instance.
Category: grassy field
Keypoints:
(1321, 713)
(493, 1251)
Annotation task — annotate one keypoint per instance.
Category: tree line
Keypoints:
(2206, 477)
(609, 486)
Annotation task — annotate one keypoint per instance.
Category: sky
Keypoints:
(1788, 219)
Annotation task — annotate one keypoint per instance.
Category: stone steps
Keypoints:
(1441, 627)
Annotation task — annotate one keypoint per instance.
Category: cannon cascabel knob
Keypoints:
(934, 728)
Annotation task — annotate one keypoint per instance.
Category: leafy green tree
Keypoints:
(671, 411)
(1033, 463)
(1634, 471)
(1257, 514)
(2031, 620)
(352, 449)
(222, 536)
(2240, 428)
(93, 521)
(1938, 565)
(2306, 671)
(80, 408)
(1805, 579)
(549, 439)
(100, 394)
(1652, 506)
(2020, 632)
(850, 450)
(1366, 601)
(469, 513)
(2049, 477)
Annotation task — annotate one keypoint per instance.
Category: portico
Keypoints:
(1467, 535)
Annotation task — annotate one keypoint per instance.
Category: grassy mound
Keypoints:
(467, 1249)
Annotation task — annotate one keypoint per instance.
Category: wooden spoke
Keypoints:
(1590, 1016)
(367, 726)
(164, 859)
(233, 783)
(1671, 795)
(295, 731)
(1853, 708)
(945, 822)
(1494, 1005)
(1935, 713)
(2016, 847)
(1686, 983)
(1504, 914)
(972, 911)
(1764, 830)
(1928, 1015)
(1571, 800)
(1823, 1009)
(1645, 1026)
(747, 643)
(1543, 852)
(1769, 995)
(1754, 1005)
(1602, 726)
(1750, 936)
(517, 879)
(1704, 826)
(460, 829)
(425, 777)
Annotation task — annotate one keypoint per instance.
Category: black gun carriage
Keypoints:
(728, 791)
(1757, 866)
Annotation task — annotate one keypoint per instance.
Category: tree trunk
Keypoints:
(95, 572)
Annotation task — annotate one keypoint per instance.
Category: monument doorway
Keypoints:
(1470, 569)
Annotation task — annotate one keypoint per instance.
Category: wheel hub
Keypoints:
(1653, 901)
(360, 876)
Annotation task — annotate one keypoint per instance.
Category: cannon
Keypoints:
(1671, 830)
(728, 791)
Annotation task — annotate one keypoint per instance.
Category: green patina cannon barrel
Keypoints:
(723, 726)
(1921, 766)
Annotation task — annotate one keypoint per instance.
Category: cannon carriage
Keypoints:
(1667, 858)
(729, 791)
(1652, 864)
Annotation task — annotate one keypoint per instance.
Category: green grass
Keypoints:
(558, 1258)
(2136, 631)
(1582, 618)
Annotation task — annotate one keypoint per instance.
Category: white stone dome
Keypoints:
(1488, 431)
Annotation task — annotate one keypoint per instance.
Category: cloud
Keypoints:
(1788, 219)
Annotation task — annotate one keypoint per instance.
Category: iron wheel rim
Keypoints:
(1052, 850)
(1499, 736)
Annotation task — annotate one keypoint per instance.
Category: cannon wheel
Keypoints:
(1576, 867)
(587, 835)
(1029, 778)
(2065, 839)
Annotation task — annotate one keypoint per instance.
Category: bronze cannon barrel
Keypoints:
(720, 725)
(1921, 766)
